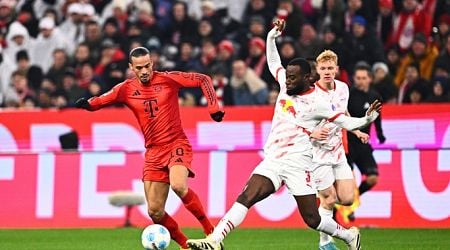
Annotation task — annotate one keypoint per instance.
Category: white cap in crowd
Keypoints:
(47, 23)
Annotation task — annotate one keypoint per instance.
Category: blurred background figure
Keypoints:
(248, 89)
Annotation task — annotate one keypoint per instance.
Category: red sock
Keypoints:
(174, 230)
(193, 204)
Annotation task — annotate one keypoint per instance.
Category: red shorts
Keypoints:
(158, 160)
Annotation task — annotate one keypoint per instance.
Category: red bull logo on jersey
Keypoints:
(288, 106)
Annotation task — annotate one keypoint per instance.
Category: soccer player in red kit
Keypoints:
(153, 98)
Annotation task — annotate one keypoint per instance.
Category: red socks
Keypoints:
(174, 230)
(193, 204)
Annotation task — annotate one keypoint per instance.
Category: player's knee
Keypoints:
(372, 180)
(246, 199)
(155, 212)
(179, 188)
(330, 201)
(347, 199)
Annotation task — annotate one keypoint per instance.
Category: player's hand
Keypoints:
(375, 106)
(82, 103)
(381, 138)
(279, 25)
(363, 137)
(320, 133)
(218, 116)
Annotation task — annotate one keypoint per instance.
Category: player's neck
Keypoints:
(326, 85)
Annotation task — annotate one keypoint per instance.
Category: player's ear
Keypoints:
(130, 66)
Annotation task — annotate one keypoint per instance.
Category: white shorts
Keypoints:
(325, 175)
(295, 174)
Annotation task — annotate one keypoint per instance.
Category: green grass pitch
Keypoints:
(241, 239)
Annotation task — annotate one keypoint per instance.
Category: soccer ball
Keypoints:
(155, 237)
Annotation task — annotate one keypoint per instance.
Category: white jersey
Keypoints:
(286, 135)
(331, 150)
(295, 116)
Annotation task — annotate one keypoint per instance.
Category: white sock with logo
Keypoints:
(331, 227)
(232, 219)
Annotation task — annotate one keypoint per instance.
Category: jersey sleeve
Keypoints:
(111, 97)
(323, 111)
(195, 80)
(273, 59)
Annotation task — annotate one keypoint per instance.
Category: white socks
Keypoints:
(325, 238)
(329, 226)
(233, 218)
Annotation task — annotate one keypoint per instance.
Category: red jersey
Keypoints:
(155, 104)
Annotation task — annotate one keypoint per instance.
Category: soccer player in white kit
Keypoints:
(288, 157)
(332, 174)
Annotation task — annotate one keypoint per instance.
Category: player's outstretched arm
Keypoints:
(98, 102)
(350, 123)
(273, 58)
(192, 80)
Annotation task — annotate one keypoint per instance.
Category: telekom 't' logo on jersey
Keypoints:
(288, 106)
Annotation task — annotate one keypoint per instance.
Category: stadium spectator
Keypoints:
(93, 39)
(256, 59)
(293, 16)
(255, 28)
(70, 86)
(73, 26)
(225, 56)
(21, 87)
(34, 74)
(257, 8)
(413, 18)
(59, 66)
(365, 46)
(248, 89)
(208, 55)
(309, 43)
(332, 16)
(384, 20)
(443, 29)
(332, 41)
(288, 51)
(187, 60)
(440, 91)
(393, 57)
(17, 39)
(413, 82)
(442, 61)
(183, 27)
(6, 70)
(6, 17)
(49, 39)
(383, 83)
(422, 54)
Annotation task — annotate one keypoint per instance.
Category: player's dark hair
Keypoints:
(305, 68)
(364, 67)
(138, 52)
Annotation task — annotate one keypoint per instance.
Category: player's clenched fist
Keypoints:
(218, 116)
(82, 103)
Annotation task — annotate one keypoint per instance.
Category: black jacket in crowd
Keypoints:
(358, 103)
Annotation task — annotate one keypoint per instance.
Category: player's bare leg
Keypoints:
(342, 192)
(308, 209)
(156, 194)
(179, 184)
(257, 188)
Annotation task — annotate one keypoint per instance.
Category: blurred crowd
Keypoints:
(56, 51)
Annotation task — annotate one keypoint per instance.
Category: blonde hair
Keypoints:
(327, 55)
